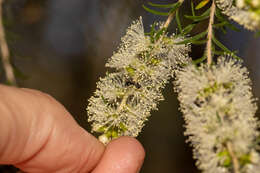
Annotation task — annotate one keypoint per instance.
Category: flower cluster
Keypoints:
(253, 4)
(124, 99)
(219, 110)
(244, 12)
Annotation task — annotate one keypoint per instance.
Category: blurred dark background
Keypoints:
(60, 47)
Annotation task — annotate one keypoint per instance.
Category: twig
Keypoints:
(210, 32)
(168, 21)
(233, 157)
(5, 51)
(170, 17)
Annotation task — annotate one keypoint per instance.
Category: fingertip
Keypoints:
(122, 155)
(133, 146)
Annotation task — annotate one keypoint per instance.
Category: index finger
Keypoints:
(37, 134)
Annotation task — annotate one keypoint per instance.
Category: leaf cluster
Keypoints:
(171, 8)
(199, 14)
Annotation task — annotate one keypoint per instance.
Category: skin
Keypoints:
(39, 135)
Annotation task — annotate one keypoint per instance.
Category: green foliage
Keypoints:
(202, 4)
(221, 23)
(155, 33)
(225, 156)
(200, 18)
(188, 28)
(194, 38)
(199, 60)
(155, 12)
(174, 5)
(224, 48)
(178, 21)
(172, 8)
(244, 159)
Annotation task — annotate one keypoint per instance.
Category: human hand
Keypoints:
(38, 135)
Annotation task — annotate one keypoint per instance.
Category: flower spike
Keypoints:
(219, 110)
(124, 99)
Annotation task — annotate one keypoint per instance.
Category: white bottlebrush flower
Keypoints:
(134, 39)
(240, 3)
(219, 110)
(255, 3)
(240, 13)
(124, 99)
(135, 46)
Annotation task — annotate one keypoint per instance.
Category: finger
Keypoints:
(37, 134)
(123, 155)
